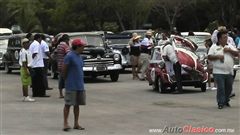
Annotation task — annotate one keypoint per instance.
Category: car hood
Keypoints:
(94, 51)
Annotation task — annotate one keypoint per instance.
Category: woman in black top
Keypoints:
(134, 54)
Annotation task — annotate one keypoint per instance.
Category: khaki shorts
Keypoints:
(134, 60)
(75, 98)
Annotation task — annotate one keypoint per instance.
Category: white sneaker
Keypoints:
(213, 88)
(28, 99)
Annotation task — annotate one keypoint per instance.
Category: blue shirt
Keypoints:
(75, 77)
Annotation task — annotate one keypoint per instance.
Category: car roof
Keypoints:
(21, 35)
(5, 31)
(80, 33)
(196, 33)
(117, 36)
(131, 31)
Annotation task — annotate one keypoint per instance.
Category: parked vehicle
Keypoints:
(98, 58)
(3, 49)
(5, 32)
(119, 44)
(199, 39)
(11, 57)
(130, 32)
(161, 75)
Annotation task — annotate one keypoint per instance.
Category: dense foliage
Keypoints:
(53, 16)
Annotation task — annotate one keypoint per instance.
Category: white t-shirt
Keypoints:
(162, 42)
(169, 51)
(37, 61)
(44, 49)
(219, 67)
(25, 56)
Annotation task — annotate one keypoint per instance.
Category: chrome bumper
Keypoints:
(102, 69)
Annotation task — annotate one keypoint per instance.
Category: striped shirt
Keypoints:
(62, 50)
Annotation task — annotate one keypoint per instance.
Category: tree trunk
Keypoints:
(120, 20)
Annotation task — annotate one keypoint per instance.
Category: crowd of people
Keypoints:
(222, 46)
(34, 60)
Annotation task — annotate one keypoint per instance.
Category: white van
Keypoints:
(5, 31)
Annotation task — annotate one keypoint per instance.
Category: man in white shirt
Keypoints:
(37, 66)
(221, 55)
(169, 55)
(46, 56)
(146, 46)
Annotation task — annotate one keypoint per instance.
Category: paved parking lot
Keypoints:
(126, 107)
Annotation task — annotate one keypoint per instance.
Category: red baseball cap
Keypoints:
(78, 42)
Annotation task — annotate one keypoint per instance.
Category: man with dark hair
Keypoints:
(62, 49)
(46, 56)
(221, 55)
(37, 66)
(169, 56)
(29, 36)
(74, 83)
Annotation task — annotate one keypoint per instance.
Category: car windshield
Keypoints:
(90, 40)
(118, 41)
(3, 43)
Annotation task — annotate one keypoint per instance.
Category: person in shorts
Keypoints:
(25, 61)
(74, 83)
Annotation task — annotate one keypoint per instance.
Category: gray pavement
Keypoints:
(126, 107)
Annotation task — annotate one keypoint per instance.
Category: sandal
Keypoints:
(79, 128)
(66, 128)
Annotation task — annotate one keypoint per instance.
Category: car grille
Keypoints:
(98, 61)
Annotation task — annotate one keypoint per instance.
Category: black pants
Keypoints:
(38, 88)
(178, 74)
(46, 65)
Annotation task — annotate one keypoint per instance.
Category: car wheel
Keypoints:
(161, 86)
(114, 76)
(7, 69)
(203, 87)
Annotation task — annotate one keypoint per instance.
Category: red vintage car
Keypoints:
(160, 74)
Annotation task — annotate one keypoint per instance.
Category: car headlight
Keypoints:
(116, 57)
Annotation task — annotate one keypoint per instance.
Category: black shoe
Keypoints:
(177, 92)
(45, 96)
(232, 95)
(220, 106)
(49, 88)
(228, 105)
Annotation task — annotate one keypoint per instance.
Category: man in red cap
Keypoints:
(74, 83)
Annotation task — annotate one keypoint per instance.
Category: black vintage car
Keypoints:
(11, 56)
(99, 59)
(119, 44)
